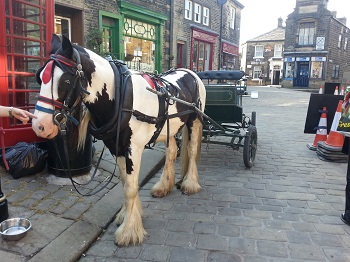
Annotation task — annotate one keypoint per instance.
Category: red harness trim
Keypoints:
(50, 101)
(153, 82)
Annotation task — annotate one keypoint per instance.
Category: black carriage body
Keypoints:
(225, 113)
(224, 98)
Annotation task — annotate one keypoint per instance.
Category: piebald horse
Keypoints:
(127, 110)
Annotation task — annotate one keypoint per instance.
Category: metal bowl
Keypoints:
(14, 228)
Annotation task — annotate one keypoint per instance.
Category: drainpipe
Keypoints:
(221, 3)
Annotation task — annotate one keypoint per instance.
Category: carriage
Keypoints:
(224, 110)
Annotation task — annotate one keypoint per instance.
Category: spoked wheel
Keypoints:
(250, 146)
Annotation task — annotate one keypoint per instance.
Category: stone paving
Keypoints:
(285, 208)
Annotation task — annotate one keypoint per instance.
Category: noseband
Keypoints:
(62, 111)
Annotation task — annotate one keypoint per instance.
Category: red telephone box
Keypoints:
(25, 34)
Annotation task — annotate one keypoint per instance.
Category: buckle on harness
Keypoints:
(59, 118)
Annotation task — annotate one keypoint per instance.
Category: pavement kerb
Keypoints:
(79, 235)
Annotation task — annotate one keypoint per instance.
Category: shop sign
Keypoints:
(303, 59)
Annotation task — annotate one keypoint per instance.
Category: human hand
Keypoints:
(21, 114)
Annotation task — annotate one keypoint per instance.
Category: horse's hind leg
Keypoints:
(167, 179)
(190, 153)
(131, 230)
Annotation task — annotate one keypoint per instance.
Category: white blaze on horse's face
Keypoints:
(43, 125)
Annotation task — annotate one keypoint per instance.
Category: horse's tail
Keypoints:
(83, 127)
(185, 147)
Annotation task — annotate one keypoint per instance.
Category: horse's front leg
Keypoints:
(131, 230)
(167, 179)
(122, 169)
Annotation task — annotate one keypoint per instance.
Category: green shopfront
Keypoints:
(134, 36)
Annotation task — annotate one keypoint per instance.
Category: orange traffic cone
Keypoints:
(336, 91)
(321, 134)
(321, 90)
(342, 91)
(335, 138)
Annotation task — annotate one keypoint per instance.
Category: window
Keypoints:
(257, 72)
(205, 16)
(345, 43)
(188, 9)
(306, 33)
(278, 50)
(232, 18)
(197, 13)
(316, 69)
(62, 26)
(335, 72)
(339, 41)
(259, 51)
(289, 70)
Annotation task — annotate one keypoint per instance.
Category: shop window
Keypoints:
(278, 50)
(316, 69)
(335, 71)
(139, 45)
(306, 33)
(205, 16)
(201, 56)
(259, 51)
(232, 18)
(197, 13)
(289, 70)
(188, 9)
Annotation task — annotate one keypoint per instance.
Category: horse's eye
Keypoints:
(65, 82)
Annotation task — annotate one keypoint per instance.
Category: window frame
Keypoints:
(335, 71)
(188, 9)
(306, 34)
(206, 14)
(197, 13)
(233, 18)
(257, 52)
(278, 50)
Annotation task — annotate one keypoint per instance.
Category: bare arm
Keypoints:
(20, 114)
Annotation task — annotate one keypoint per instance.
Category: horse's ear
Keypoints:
(55, 43)
(67, 47)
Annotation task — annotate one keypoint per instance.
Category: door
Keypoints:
(180, 55)
(276, 77)
(303, 75)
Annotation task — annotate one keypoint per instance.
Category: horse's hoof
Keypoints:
(159, 193)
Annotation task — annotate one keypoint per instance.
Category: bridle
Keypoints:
(62, 111)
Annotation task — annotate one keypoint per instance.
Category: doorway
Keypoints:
(302, 79)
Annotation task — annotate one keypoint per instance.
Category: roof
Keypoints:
(277, 34)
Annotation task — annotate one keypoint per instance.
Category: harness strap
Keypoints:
(50, 101)
(50, 111)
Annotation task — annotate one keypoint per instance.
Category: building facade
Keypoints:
(262, 57)
(316, 49)
(205, 34)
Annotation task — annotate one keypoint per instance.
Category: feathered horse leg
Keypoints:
(190, 153)
(167, 179)
(131, 230)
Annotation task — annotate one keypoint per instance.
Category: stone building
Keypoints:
(316, 49)
(205, 34)
(262, 57)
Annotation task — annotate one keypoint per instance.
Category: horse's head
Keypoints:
(63, 84)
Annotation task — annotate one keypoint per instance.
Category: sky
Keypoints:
(261, 16)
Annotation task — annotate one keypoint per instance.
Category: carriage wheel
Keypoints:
(250, 146)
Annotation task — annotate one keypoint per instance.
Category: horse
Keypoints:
(127, 110)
